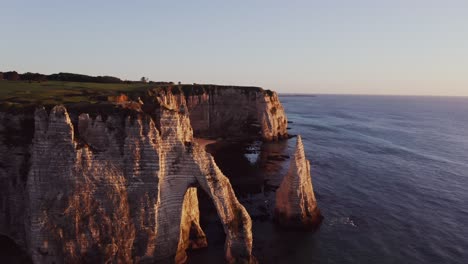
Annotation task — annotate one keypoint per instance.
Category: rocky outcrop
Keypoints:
(296, 206)
(15, 140)
(117, 181)
(234, 112)
(113, 186)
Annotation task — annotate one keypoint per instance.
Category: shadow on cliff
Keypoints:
(239, 163)
(10, 252)
(255, 170)
(211, 225)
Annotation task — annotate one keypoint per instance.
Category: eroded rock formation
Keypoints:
(296, 206)
(120, 185)
(230, 112)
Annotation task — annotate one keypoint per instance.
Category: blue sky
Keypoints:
(364, 47)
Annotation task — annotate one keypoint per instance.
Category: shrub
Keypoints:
(73, 77)
(11, 76)
(29, 76)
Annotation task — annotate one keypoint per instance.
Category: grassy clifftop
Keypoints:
(21, 94)
(56, 92)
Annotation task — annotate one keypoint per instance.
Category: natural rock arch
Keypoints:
(186, 165)
(135, 187)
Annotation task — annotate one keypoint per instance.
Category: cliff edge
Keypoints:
(233, 112)
(117, 181)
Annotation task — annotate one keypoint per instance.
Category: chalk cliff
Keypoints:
(233, 112)
(118, 181)
(296, 206)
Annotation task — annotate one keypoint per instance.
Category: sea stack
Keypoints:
(296, 206)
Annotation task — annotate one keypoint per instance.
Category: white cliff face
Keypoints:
(296, 206)
(218, 111)
(273, 118)
(122, 186)
(123, 191)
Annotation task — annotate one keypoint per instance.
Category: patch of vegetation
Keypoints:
(268, 92)
(11, 76)
(73, 77)
(19, 92)
(23, 93)
(63, 76)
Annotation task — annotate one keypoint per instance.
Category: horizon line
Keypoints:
(365, 94)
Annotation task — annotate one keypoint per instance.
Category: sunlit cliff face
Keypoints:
(296, 206)
(119, 186)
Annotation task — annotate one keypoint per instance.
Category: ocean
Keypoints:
(390, 175)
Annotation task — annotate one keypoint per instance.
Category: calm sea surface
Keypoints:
(390, 175)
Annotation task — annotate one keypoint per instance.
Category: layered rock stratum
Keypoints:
(117, 181)
(233, 112)
(296, 206)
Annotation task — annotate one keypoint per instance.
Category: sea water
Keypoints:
(390, 175)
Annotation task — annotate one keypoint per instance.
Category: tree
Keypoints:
(36, 77)
(73, 77)
(144, 79)
(11, 76)
(1, 76)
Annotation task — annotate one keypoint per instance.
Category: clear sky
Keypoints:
(348, 46)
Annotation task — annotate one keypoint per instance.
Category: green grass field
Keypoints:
(56, 92)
